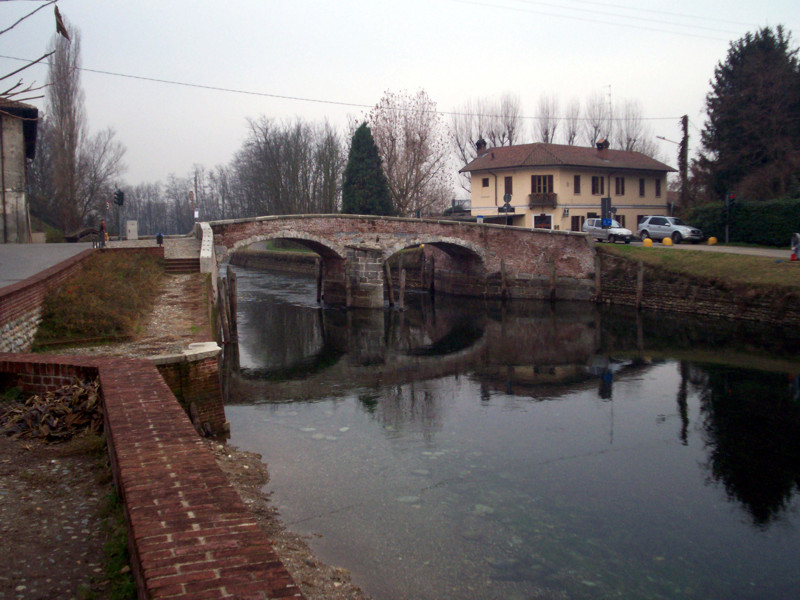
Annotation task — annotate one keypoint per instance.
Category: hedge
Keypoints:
(766, 222)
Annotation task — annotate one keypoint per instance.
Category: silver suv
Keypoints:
(614, 233)
(658, 228)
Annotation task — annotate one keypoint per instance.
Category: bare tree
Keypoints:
(572, 121)
(99, 165)
(414, 146)
(631, 132)
(74, 172)
(547, 118)
(498, 122)
(597, 122)
(19, 91)
(65, 102)
(505, 121)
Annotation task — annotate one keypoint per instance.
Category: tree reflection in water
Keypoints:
(751, 424)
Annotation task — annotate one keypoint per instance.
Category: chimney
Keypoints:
(480, 146)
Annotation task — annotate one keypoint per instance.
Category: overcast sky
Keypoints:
(333, 60)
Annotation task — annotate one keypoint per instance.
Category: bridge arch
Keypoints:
(322, 246)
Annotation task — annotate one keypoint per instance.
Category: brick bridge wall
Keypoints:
(470, 259)
(189, 532)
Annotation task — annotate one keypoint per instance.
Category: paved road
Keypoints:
(769, 252)
(20, 261)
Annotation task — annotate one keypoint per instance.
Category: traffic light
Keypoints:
(119, 197)
(731, 200)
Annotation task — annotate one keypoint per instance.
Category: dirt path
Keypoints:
(51, 496)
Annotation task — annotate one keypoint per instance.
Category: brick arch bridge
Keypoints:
(471, 259)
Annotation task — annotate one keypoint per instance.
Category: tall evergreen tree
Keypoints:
(751, 140)
(364, 190)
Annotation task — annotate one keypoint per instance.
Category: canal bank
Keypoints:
(618, 280)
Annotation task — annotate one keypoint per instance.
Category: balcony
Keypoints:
(542, 200)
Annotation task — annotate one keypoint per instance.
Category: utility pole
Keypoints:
(683, 162)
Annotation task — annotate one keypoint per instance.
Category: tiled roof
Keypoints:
(557, 155)
(8, 103)
(29, 115)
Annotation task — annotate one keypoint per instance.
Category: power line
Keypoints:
(299, 98)
(649, 10)
(603, 22)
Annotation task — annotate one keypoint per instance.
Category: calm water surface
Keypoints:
(459, 450)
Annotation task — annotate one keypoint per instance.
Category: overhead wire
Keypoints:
(603, 22)
(303, 99)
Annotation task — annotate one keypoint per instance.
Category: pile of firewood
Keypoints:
(57, 415)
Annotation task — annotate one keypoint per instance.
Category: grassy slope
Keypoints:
(737, 269)
(105, 300)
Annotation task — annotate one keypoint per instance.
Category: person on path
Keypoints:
(795, 245)
(103, 234)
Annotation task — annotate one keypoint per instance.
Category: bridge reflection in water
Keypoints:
(296, 351)
(702, 407)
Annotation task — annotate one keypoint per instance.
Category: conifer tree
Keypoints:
(364, 189)
(751, 140)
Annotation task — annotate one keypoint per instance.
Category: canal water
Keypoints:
(468, 450)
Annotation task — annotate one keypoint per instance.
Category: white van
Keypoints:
(614, 233)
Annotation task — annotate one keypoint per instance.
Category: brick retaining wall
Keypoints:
(190, 534)
(21, 303)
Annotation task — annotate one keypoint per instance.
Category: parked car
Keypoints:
(660, 227)
(614, 233)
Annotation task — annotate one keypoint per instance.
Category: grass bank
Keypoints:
(103, 302)
(735, 269)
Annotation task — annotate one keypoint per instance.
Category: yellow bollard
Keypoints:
(712, 240)
(647, 242)
(667, 241)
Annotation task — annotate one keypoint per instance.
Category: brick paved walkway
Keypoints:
(191, 534)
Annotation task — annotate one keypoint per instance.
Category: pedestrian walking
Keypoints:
(795, 246)
(103, 234)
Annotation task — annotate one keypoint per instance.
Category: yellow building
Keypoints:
(557, 187)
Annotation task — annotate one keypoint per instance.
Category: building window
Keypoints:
(598, 186)
(641, 187)
(509, 189)
(577, 184)
(541, 184)
(658, 188)
(485, 182)
(619, 186)
(542, 221)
